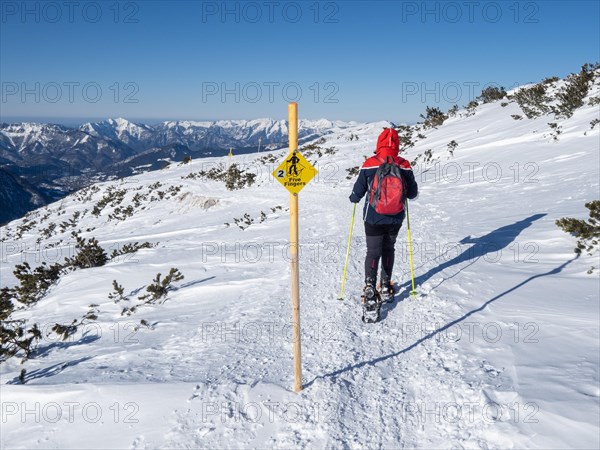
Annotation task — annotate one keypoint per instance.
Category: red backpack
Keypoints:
(386, 195)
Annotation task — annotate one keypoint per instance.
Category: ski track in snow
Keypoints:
(216, 369)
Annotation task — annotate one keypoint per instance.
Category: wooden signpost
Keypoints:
(294, 173)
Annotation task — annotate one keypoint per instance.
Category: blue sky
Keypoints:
(349, 60)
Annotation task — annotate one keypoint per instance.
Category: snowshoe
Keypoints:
(371, 304)
(387, 291)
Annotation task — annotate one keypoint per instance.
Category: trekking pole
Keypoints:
(347, 253)
(410, 252)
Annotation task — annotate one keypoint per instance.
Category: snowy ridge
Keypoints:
(119, 129)
(496, 352)
(24, 134)
(205, 133)
(51, 139)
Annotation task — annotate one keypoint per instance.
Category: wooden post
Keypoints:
(295, 274)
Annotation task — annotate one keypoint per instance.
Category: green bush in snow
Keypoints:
(571, 96)
(66, 331)
(89, 254)
(434, 117)
(15, 338)
(160, 288)
(405, 134)
(491, 94)
(586, 232)
(471, 107)
(452, 146)
(533, 100)
(34, 283)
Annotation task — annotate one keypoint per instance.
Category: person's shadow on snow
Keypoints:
(447, 326)
(502, 237)
(488, 246)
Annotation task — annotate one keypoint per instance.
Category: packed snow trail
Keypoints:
(491, 354)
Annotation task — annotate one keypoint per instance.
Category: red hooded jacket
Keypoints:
(388, 144)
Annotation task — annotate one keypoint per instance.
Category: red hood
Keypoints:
(388, 143)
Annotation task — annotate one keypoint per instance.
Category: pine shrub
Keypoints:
(471, 107)
(491, 94)
(89, 254)
(586, 232)
(533, 100)
(66, 331)
(434, 117)
(452, 146)
(160, 288)
(572, 94)
(117, 294)
(16, 338)
(34, 284)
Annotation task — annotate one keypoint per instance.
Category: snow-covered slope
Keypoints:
(499, 350)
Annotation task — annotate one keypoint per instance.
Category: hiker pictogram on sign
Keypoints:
(293, 165)
(295, 172)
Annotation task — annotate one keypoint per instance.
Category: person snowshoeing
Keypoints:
(382, 223)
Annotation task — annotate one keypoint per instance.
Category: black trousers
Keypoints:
(380, 246)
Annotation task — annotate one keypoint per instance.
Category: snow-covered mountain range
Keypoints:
(29, 139)
(222, 134)
(498, 350)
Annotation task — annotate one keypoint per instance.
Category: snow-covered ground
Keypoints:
(499, 350)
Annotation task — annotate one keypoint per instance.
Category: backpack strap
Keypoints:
(388, 159)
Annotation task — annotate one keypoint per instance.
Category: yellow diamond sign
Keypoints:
(294, 172)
